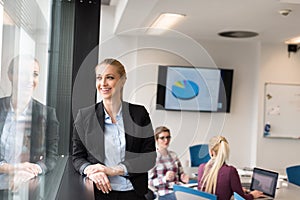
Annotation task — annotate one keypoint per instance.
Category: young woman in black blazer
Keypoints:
(113, 141)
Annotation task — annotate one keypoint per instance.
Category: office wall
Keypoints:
(188, 128)
(239, 126)
(251, 62)
(276, 67)
(142, 55)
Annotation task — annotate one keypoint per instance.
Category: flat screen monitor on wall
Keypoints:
(187, 88)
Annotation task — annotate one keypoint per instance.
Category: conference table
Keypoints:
(65, 183)
(287, 191)
(284, 191)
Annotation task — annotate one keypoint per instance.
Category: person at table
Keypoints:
(168, 169)
(113, 141)
(28, 129)
(217, 177)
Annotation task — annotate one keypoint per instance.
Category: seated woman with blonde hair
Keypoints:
(217, 177)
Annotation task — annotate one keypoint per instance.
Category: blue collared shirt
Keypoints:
(114, 138)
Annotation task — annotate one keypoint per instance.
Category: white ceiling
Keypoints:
(205, 18)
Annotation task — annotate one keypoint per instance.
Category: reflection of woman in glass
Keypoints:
(28, 129)
(168, 169)
(113, 141)
(217, 177)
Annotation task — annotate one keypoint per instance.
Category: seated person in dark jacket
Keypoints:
(28, 129)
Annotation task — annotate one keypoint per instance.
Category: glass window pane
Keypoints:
(29, 128)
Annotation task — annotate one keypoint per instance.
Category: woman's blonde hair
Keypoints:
(218, 145)
(114, 62)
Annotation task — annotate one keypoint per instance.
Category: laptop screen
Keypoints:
(264, 181)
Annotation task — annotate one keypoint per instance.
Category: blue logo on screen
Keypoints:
(185, 89)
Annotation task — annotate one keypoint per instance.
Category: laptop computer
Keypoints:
(264, 181)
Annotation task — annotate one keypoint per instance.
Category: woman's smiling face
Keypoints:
(108, 81)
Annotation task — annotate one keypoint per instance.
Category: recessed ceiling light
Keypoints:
(295, 40)
(164, 22)
(285, 12)
(238, 34)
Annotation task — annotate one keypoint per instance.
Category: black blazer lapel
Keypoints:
(4, 106)
(128, 126)
(95, 137)
(38, 132)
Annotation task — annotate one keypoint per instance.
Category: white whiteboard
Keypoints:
(282, 109)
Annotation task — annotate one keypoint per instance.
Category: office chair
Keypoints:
(199, 154)
(237, 196)
(293, 174)
(184, 193)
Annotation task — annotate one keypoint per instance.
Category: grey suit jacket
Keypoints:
(140, 156)
(44, 133)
